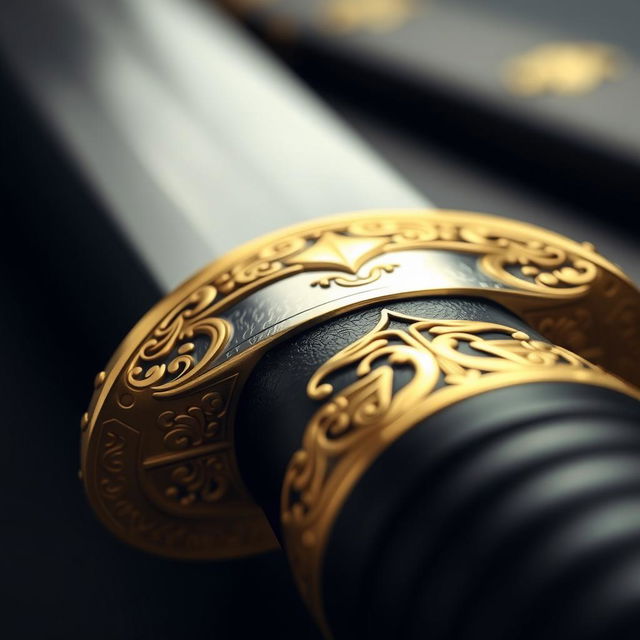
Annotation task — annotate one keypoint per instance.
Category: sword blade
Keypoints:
(191, 134)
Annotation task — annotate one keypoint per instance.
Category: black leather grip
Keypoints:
(514, 514)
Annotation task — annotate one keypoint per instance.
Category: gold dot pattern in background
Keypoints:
(563, 68)
(344, 16)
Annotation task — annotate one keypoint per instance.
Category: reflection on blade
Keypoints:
(193, 138)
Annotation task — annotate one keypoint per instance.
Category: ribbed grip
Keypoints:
(513, 514)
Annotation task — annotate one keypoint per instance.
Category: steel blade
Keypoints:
(191, 134)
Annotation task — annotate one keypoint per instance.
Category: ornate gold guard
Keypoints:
(157, 441)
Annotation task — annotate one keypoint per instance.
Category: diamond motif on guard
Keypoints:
(335, 251)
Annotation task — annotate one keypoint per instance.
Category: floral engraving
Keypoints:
(199, 480)
(403, 370)
(168, 361)
(195, 426)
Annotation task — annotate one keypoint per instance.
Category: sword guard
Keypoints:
(281, 376)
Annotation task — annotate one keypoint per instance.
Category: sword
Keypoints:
(379, 385)
(195, 143)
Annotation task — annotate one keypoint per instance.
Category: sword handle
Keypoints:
(511, 513)
(436, 411)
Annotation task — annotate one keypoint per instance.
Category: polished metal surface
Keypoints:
(288, 303)
(192, 136)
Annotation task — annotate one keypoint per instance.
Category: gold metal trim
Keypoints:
(450, 360)
(158, 452)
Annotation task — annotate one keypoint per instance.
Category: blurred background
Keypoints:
(526, 110)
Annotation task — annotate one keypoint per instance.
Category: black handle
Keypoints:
(514, 513)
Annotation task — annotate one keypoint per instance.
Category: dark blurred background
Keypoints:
(446, 93)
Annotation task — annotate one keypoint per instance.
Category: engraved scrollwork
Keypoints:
(268, 261)
(203, 481)
(200, 480)
(433, 351)
(517, 259)
(172, 357)
(356, 281)
(538, 267)
(113, 454)
(167, 359)
(403, 233)
(113, 482)
(195, 426)
(405, 369)
(114, 488)
(574, 328)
